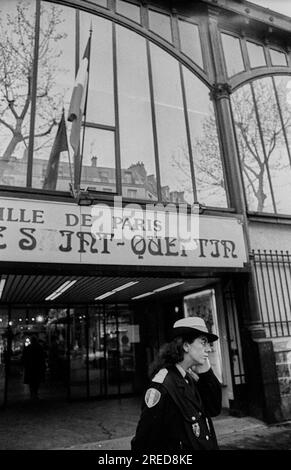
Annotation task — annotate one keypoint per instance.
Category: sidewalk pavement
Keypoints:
(232, 433)
(110, 424)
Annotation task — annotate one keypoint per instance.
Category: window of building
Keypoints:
(100, 105)
(190, 41)
(100, 143)
(135, 115)
(56, 57)
(208, 170)
(278, 58)
(256, 55)
(232, 54)
(17, 22)
(171, 128)
(132, 193)
(140, 128)
(160, 24)
(262, 122)
(129, 10)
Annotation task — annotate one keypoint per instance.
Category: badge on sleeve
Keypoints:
(196, 429)
(152, 397)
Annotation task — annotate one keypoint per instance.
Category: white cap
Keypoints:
(195, 325)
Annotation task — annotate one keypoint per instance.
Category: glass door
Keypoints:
(79, 353)
(120, 349)
(111, 350)
(97, 352)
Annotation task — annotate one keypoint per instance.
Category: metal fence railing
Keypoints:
(273, 283)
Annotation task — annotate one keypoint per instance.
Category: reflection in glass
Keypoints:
(232, 53)
(251, 152)
(129, 10)
(278, 58)
(136, 132)
(98, 165)
(209, 176)
(268, 162)
(160, 24)
(100, 106)
(283, 88)
(171, 129)
(56, 71)
(256, 55)
(190, 41)
(16, 66)
(274, 143)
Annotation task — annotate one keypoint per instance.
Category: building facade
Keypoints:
(184, 121)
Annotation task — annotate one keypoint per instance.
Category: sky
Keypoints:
(281, 6)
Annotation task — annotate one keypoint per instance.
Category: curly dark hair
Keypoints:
(170, 353)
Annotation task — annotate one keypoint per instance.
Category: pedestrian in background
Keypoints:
(183, 395)
(34, 366)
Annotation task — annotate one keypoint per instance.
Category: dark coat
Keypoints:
(34, 364)
(180, 420)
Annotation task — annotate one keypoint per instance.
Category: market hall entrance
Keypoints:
(104, 350)
(89, 351)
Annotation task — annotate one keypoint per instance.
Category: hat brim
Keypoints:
(184, 330)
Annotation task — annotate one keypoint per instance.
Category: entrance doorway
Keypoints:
(104, 349)
(89, 351)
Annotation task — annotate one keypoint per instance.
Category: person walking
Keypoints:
(34, 366)
(183, 395)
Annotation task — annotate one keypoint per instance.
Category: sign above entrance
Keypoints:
(53, 232)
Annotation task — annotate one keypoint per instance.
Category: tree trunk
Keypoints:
(260, 195)
(11, 146)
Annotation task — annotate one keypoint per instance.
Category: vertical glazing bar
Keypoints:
(175, 29)
(77, 41)
(33, 92)
(189, 143)
(265, 294)
(116, 110)
(154, 122)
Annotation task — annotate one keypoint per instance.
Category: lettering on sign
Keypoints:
(56, 232)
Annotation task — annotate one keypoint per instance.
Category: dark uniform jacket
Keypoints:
(176, 414)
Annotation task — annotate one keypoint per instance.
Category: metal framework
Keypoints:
(273, 283)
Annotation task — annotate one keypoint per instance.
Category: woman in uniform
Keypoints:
(183, 395)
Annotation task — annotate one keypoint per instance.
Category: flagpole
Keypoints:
(85, 109)
(70, 166)
(69, 156)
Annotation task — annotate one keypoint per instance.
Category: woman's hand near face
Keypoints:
(199, 369)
